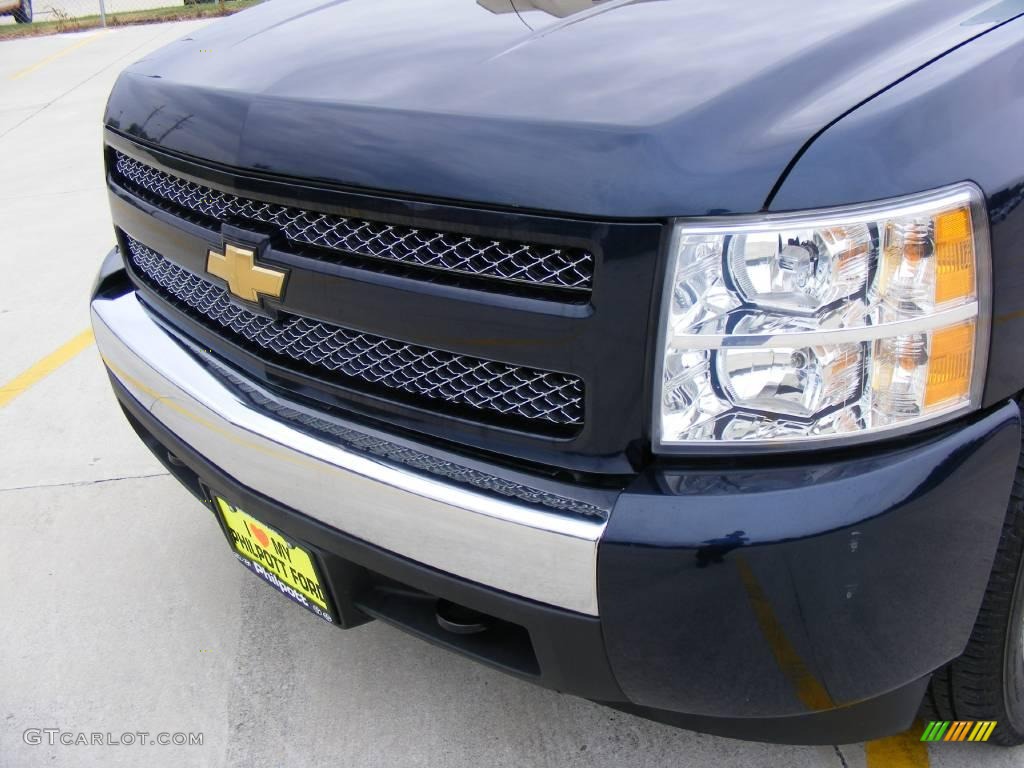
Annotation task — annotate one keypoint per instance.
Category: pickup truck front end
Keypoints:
(543, 370)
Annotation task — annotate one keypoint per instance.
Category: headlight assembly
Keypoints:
(831, 325)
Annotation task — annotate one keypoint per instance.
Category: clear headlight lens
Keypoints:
(831, 324)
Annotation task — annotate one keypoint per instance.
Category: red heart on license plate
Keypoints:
(260, 536)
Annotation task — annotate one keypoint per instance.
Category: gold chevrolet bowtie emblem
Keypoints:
(245, 278)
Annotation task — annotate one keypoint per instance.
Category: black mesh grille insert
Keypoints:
(500, 261)
(523, 394)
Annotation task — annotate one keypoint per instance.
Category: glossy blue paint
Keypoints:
(631, 109)
(873, 568)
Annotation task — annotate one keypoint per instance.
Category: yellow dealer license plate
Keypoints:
(285, 566)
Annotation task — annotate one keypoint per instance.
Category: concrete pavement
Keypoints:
(121, 608)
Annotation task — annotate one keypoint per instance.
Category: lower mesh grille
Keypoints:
(522, 394)
(410, 457)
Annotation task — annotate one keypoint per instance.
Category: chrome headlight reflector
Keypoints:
(828, 325)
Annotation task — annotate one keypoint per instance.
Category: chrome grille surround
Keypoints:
(540, 266)
(498, 388)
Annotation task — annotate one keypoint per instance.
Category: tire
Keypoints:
(987, 681)
(24, 13)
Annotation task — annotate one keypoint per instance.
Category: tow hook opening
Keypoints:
(461, 620)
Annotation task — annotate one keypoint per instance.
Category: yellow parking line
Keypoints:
(808, 688)
(44, 367)
(58, 55)
(904, 750)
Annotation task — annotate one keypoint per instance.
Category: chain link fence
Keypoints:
(69, 10)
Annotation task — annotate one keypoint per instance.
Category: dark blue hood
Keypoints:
(629, 109)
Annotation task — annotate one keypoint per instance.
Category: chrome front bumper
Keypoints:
(501, 543)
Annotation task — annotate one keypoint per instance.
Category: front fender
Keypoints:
(957, 119)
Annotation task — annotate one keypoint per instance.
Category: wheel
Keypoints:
(24, 14)
(987, 681)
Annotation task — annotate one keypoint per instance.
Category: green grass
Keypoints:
(180, 13)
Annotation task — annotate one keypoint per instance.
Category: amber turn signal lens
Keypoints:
(950, 364)
(954, 256)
